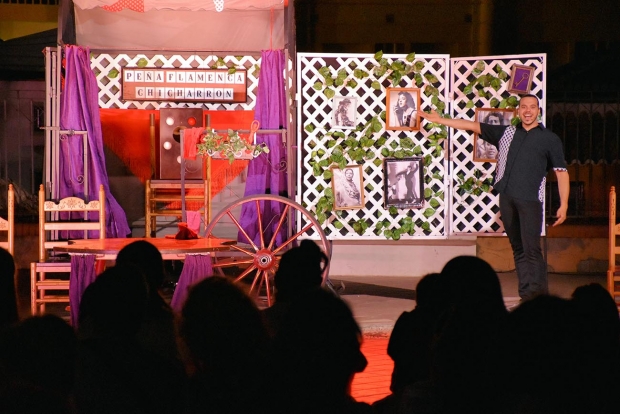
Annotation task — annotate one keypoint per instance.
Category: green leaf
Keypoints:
(429, 212)
(377, 162)
(113, 73)
(469, 104)
(431, 78)
(329, 93)
(426, 226)
(410, 57)
(142, 62)
(337, 224)
(434, 203)
(376, 85)
(503, 103)
(467, 89)
(396, 77)
(428, 193)
(419, 81)
(378, 55)
(418, 65)
(317, 170)
(494, 102)
(327, 175)
(351, 83)
(339, 82)
(329, 193)
(318, 86)
(513, 101)
(329, 81)
(385, 152)
(376, 124)
(496, 84)
(360, 74)
(325, 71)
(309, 128)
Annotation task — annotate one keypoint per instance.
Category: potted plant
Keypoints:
(231, 147)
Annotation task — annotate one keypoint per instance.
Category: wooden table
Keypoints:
(85, 253)
(170, 249)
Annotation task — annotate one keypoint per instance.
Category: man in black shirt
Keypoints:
(526, 153)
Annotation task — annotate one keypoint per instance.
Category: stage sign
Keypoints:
(187, 85)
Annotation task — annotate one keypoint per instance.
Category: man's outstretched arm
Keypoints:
(433, 116)
(564, 190)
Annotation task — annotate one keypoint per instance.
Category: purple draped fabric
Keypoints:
(196, 268)
(79, 111)
(82, 275)
(267, 172)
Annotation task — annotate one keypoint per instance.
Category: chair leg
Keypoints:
(33, 289)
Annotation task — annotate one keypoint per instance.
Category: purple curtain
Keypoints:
(195, 268)
(79, 111)
(267, 172)
(82, 275)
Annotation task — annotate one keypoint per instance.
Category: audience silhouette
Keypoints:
(317, 352)
(8, 295)
(227, 349)
(114, 372)
(300, 271)
(458, 350)
(157, 331)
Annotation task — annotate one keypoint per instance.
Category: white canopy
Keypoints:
(181, 25)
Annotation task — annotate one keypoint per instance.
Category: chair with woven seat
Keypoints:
(56, 220)
(613, 271)
(8, 225)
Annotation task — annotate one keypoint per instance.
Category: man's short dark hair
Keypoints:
(529, 95)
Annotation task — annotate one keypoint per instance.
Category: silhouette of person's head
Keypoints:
(222, 327)
(114, 305)
(471, 280)
(318, 347)
(40, 351)
(300, 270)
(147, 258)
(8, 294)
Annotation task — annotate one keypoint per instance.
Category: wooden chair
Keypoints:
(613, 271)
(52, 221)
(8, 225)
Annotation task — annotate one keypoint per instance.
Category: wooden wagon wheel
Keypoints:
(255, 263)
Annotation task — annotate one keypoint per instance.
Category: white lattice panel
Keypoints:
(108, 67)
(315, 109)
(480, 214)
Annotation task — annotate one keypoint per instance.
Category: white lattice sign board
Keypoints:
(479, 214)
(108, 69)
(322, 140)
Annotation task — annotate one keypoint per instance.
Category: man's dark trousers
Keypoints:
(522, 221)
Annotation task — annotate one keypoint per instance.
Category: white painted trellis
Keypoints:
(315, 109)
(455, 215)
(480, 214)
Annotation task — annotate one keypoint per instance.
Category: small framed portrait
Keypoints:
(401, 108)
(521, 79)
(483, 151)
(343, 112)
(403, 182)
(348, 187)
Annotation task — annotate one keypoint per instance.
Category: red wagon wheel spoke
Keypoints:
(255, 263)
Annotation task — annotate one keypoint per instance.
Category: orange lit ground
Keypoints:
(374, 382)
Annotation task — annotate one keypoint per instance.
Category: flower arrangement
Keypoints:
(231, 147)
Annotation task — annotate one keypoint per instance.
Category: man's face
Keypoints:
(493, 120)
(528, 112)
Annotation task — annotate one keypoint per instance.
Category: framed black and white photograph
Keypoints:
(483, 151)
(343, 112)
(401, 108)
(521, 78)
(348, 187)
(403, 182)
